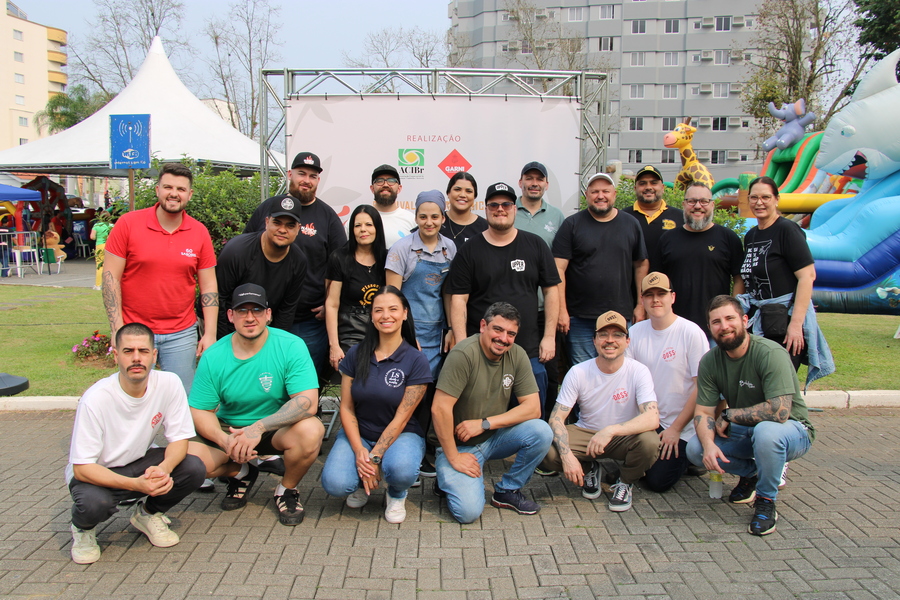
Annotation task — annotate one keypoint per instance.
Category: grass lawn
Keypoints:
(39, 326)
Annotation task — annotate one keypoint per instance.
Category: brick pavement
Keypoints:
(838, 536)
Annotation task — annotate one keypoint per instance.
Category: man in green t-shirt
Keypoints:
(256, 392)
(472, 421)
(765, 422)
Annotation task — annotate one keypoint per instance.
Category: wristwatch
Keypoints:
(725, 416)
(485, 424)
(376, 460)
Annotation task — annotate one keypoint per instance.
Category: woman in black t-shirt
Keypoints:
(777, 262)
(355, 272)
(461, 223)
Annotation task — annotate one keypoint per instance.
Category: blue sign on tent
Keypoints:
(129, 141)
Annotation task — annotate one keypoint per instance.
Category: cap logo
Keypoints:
(309, 160)
(501, 188)
(653, 279)
(287, 204)
(611, 318)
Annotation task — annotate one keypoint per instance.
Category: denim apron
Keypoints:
(423, 291)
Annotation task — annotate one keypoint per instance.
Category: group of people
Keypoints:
(446, 330)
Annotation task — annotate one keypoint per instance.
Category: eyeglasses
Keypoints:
(384, 180)
(700, 201)
(496, 205)
(616, 335)
(255, 311)
(766, 199)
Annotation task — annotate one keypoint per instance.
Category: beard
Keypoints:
(385, 197)
(501, 226)
(698, 224)
(600, 212)
(304, 196)
(736, 341)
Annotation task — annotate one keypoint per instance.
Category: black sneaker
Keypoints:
(290, 511)
(744, 492)
(427, 469)
(515, 500)
(239, 489)
(591, 488)
(764, 517)
(620, 500)
(274, 466)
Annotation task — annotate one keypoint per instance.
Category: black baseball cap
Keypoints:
(288, 207)
(385, 170)
(648, 169)
(500, 189)
(249, 293)
(307, 159)
(535, 166)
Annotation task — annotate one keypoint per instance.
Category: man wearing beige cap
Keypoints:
(618, 417)
(671, 347)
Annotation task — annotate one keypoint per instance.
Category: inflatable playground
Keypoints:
(842, 185)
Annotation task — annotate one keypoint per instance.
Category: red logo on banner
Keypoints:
(453, 164)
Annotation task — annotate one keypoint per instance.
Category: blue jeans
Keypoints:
(759, 450)
(540, 377)
(529, 441)
(400, 465)
(580, 340)
(178, 354)
(313, 332)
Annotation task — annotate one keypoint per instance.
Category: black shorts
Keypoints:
(263, 448)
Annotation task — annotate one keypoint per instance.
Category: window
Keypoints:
(672, 25)
(745, 123)
(20, 99)
(20, 78)
(639, 26)
(695, 90)
(671, 59)
(723, 23)
(18, 57)
(723, 57)
(23, 141)
(526, 47)
(638, 59)
(23, 121)
(668, 157)
(504, 17)
(635, 156)
(606, 44)
(720, 123)
(717, 157)
(636, 124)
(607, 11)
(669, 123)
(695, 57)
(17, 35)
(745, 157)
(637, 92)
(720, 90)
(576, 14)
(670, 91)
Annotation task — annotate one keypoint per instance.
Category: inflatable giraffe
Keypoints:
(691, 168)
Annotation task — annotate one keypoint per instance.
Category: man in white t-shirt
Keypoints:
(618, 417)
(111, 458)
(397, 221)
(671, 347)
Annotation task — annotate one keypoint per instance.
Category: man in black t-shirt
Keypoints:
(652, 212)
(701, 258)
(505, 264)
(601, 258)
(321, 233)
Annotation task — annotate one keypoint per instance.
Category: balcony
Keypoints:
(57, 35)
(57, 77)
(57, 57)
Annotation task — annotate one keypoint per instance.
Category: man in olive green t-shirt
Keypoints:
(472, 421)
(765, 422)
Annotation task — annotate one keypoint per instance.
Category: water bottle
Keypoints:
(715, 484)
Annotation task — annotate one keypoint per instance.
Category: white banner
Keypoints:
(428, 139)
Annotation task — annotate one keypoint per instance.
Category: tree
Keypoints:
(245, 41)
(65, 110)
(399, 48)
(122, 33)
(879, 24)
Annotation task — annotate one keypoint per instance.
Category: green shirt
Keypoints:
(764, 372)
(482, 386)
(102, 228)
(246, 391)
(544, 223)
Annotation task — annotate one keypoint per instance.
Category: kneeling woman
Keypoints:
(383, 379)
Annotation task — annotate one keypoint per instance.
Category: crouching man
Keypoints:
(111, 459)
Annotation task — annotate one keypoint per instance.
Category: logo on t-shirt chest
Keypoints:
(508, 380)
(394, 378)
(265, 380)
(620, 396)
(668, 354)
(189, 252)
(668, 224)
(156, 419)
(308, 229)
(517, 265)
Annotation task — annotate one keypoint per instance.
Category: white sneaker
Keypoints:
(155, 527)
(358, 499)
(96, 288)
(84, 546)
(396, 509)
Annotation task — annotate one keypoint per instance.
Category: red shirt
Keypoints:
(158, 284)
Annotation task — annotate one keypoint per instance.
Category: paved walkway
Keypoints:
(838, 535)
(78, 272)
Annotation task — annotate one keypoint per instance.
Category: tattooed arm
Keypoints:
(646, 420)
(571, 466)
(776, 409)
(241, 446)
(411, 397)
(209, 302)
(705, 425)
(113, 267)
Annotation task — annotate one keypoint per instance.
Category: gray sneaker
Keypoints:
(85, 550)
(620, 500)
(591, 488)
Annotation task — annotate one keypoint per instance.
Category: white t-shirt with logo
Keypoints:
(673, 357)
(113, 429)
(606, 399)
(397, 224)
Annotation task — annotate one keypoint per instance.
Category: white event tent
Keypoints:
(180, 125)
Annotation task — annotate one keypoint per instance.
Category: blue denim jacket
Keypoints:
(821, 363)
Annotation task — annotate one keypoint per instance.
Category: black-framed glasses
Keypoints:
(700, 201)
(255, 311)
(766, 199)
(496, 205)
(384, 180)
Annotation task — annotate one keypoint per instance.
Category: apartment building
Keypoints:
(32, 69)
(667, 59)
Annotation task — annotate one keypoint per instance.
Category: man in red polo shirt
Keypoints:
(154, 259)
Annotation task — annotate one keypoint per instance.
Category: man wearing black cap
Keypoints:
(269, 258)
(504, 264)
(397, 221)
(320, 234)
(652, 212)
(256, 392)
